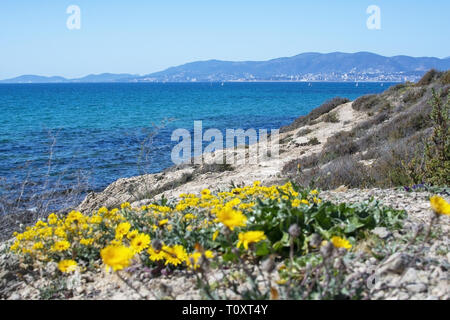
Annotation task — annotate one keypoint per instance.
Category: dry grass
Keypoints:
(24, 201)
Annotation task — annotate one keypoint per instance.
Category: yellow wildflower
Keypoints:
(38, 245)
(103, 211)
(188, 216)
(40, 224)
(86, 242)
(214, 237)
(205, 192)
(122, 229)
(52, 219)
(140, 242)
(231, 218)
(59, 232)
(132, 234)
(95, 219)
(61, 246)
(116, 257)
(155, 255)
(295, 203)
(125, 205)
(192, 261)
(74, 218)
(15, 246)
(233, 202)
(163, 222)
(341, 243)
(439, 205)
(174, 255)
(250, 237)
(67, 266)
(116, 242)
(45, 232)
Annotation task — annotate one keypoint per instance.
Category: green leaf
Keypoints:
(262, 249)
(229, 256)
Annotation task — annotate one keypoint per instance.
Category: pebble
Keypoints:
(410, 276)
(417, 287)
(381, 232)
(396, 263)
(15, 296)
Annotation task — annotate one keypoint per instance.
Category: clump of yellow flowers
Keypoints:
(246, 238)
(339, 242)
(119, 236)
(439, 205)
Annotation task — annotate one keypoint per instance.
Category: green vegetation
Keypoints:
(434, 166)
(331, 117)
(405, 141)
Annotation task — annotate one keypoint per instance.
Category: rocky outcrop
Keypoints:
(136, 188)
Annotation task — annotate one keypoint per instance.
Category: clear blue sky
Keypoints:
(144, 36)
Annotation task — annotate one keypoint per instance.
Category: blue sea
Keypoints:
(103, 132)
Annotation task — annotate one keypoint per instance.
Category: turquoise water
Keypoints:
(99, 129)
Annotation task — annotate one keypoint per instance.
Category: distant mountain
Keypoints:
(34, 79)
(336, 66)
(104, 77)
(107, 77)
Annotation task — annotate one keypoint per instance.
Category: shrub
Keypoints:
(340, 171)
(445, 78)
(315, 113)
(414, 95)
(367, 102)
(433, 167)
(303, 132)
(437, 148)
(331, 117)
(429, 77)
(313, 141)
(286, 139)
(342, 143)
(214, 167)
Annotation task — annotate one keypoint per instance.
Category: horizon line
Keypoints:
(232, 61)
